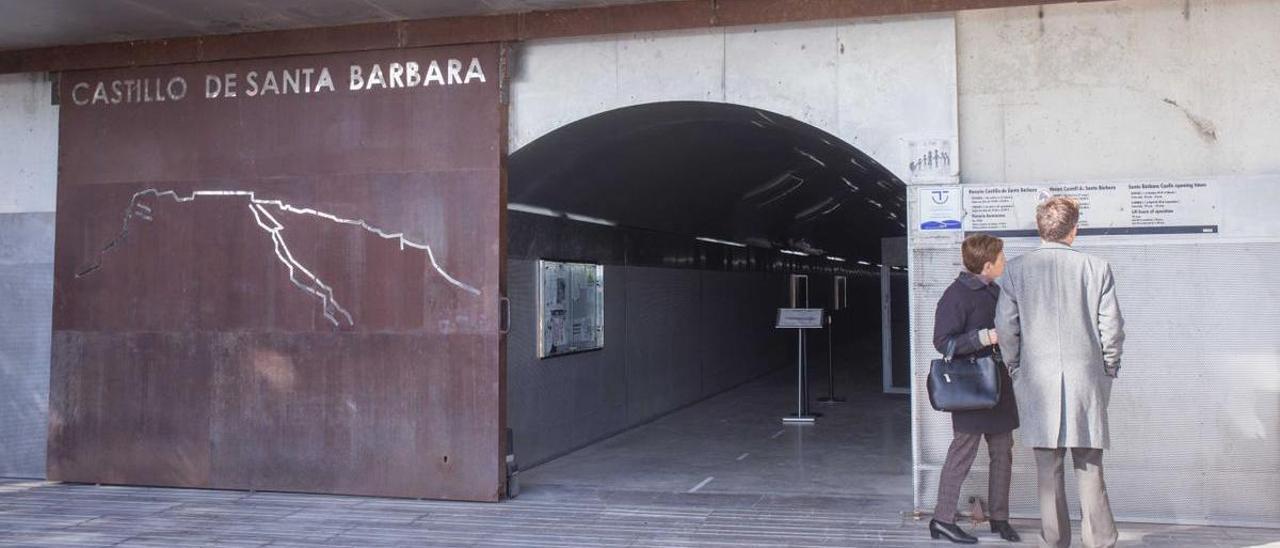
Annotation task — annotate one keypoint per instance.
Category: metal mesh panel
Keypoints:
(26, 307)
(1195, 416)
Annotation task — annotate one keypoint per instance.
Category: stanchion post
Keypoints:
(800, 319)
(831, 370)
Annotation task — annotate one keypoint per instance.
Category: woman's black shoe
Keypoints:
(1006, 531)
(953, 533)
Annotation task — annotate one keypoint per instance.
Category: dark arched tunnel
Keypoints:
(715, 170)
(703, 215)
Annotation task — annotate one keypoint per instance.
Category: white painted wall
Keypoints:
(872, 83)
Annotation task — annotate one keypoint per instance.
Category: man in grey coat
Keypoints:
(1062, 334)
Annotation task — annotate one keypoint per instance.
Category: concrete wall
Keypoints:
(1140, 89)
(873, 83)
(1114, 90)
(28, 183)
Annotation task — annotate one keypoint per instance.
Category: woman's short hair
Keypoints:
(1056, 217)
(980, 249)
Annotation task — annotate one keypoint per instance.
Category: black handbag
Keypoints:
(966, 384)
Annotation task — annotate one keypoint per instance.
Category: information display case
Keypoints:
(570, 307)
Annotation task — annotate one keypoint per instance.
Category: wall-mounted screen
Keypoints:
(570, 307)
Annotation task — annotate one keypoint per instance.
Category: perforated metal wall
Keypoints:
(1195, 416)
(26, 299)
(28, 179)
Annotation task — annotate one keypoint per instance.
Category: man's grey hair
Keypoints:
(1056, 217)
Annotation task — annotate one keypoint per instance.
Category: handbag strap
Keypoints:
(951, 350)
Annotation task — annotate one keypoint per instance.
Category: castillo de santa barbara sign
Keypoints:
(266, 82)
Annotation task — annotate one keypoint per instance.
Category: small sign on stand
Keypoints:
(800, 319)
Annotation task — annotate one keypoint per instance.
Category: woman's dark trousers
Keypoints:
(960, 458)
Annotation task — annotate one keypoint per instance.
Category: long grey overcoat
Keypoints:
(1061, 333)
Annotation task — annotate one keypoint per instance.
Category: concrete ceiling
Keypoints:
(714, 170)
(41, 23)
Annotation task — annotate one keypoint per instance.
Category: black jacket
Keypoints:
(967, 307)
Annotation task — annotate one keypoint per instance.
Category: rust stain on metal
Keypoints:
(295, 290)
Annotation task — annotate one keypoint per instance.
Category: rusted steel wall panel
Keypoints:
(656, 16)
(618, 19)
(460, 30)
(756, 12)
(366, 36)
(282, 291)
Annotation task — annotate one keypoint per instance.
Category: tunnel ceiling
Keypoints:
(714, 170)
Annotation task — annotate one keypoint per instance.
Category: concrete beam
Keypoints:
(648, 17)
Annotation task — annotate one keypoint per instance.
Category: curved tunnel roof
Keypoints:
(714, 170)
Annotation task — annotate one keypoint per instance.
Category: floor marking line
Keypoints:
(743, 456)
(776, 434)
(701, 485)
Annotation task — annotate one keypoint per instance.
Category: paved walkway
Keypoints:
(38, 514)
(724, 472)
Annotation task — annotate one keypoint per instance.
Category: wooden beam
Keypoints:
(620, 19)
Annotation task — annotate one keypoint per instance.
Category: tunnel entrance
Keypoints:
(706, 218)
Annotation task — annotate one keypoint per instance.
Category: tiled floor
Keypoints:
(861, 447)
(724, 472)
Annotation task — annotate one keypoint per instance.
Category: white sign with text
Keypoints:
(1112, 208)
(941, 208)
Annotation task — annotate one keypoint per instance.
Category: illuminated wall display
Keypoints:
(571, 308)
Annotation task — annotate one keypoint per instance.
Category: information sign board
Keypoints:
(799, 318)
(1112, 208)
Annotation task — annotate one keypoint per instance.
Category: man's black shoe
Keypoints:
(1006, 531)
(937, 529)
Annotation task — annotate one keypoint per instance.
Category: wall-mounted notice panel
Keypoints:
(1126, 208)
(1194, 263)
(282, 274)
(571, 308)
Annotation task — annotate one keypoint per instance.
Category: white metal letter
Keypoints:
(474, 70)
(357, 78)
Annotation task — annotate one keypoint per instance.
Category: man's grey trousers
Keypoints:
(1098, 528)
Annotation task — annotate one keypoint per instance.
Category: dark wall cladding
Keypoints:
(282, 289)
(684, 320)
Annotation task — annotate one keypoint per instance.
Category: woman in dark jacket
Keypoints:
(966, 313)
